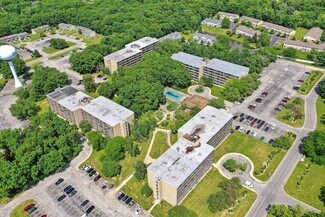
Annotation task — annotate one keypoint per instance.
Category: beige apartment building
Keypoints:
(176, 172)
(131, 54)
(255, 22)
(14, 37)
(278, 29)
(104, 115)
(230, 16)
(303, 46)
(314, 34)
(246, 31)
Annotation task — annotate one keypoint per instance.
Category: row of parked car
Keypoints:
(252, 106)
(93, 174)
(124, 198)
(70, 191)
(30, 208)
(254, 122)
(282, 103)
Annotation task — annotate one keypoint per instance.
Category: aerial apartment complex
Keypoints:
(303, 46)
(14, 37)
(131, 54)
(176, 172)
(216, 69)
(278, 29)
(104, 115)
(247, 32)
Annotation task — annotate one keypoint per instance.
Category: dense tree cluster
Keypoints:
(32, 153)
(19, 64)
(89, 83)
(58, 43)
(140, 170)
(314, 146)
(321, 87)
(277, 210)
(143, 125)
(284, 141)
(95, 138)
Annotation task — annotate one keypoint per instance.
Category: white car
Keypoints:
(248, 184)
(272, 126)
(240, 129)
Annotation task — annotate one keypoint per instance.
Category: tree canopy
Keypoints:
(58, 43)
(314, 146)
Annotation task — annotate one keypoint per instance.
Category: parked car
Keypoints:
(61, 198)
(128, 200)
(241, 115)
(237, 127)
(271, 141)
(308, 73)
(258, 100)
(28, 207)
(125, 198)
(31, 210)
(248, 184)
(242, 119)
(72, 193)
(84, 203)
(265, 93)
(259, 121)
(248, 131)
(96, 178)
(252, 118)
(240, 129)
(70, 190)
(266, 129)
(248, 117)
(90, 170)
(252, 124)
(120, 196)
(59, 181)
(262, 138)
(90, 209)
(235, 117)
(67, 188)
(300, 80)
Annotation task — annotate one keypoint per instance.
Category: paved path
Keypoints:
(149, 159)
(206, 91)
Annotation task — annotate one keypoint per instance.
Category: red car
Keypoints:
(301, 80)
(265, 93)
(28, 207)
(96, 178)
(44, 215)
(252, 124)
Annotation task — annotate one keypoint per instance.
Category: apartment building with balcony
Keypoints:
(278, 29)
(192, 63)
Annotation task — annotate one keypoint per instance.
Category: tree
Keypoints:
(36, 53)
(217, 103)
(146, 190)
(58, 43)
(289, 52)
(231, 165)
(292, 211)
(114, 149)
(86, 62)
(143, 126)
(89, 83)
(106, 89)
(313, 146)
(96, 140)
(181, 210)
(24, 108)
(20, 67)
(264, 39)
(225, 23)
(111, 168)
(321, 87)
(322, 194)
(85, 126)
(206, 81)
(282, 142)
(140, 170)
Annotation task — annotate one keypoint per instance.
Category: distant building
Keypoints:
(212, 22)
(314, 34)
(246, 31)
(131, 54)
(204, 38)
(14, 37)
(303, 46)
(66, 27)
(104, 115)
(85, 31)
(255, 22)
(220, 71)
(176, 172)
(172, 36)
(278, 29)
(45, 28)
(230, 16)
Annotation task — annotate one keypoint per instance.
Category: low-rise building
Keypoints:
(303, 46)
(45, 28)
(85, 31)
(255, 22)
(220, 71)
(211, 22)
(104, 115)
(176, 172)
(314, 34)
(14, 37)
(131, 54)
(230, 16)
(66, 27)
(246, 31)
(196, 101)
(204, 38)
(278, 29)
(171, 36)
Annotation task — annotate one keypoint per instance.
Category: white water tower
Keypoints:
(7, 53)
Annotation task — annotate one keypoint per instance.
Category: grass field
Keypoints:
(50, 50)
(320, 108)
(187, 35)
(44, 104)
(287, 112)
(300, 33)
(19, 210)
(127, 163)
(30, 59)
(216, 91)
(159, 145)
(310, 82)
(173, 138)
(63, 54)
(310, 185)
(254, 149)
(133, 189)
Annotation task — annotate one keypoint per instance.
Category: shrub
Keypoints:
(96, 140)
(146, 190)
(84, 126)
(140, 170)
(58, 43)
(231, 165)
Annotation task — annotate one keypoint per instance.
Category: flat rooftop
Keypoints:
(107, 111)
(171, 36)
(179, 161)
(227, 67)
(122, 54)
(188, 59)
(209, 120)
(141, 43)
(61, 93)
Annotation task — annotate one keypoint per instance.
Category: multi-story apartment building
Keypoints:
(278, 29)
(131, 54)
(104, 115)
(255, 22)
(303, 46)
(14, 37)
(176, 172)
(211, 22)
(230, 16)
(216, 69)
(314, 34)
(246, 31)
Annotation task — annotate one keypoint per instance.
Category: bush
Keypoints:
(146, 190)
(217, 103)
(206, 81)
(171, 106)
(243, 167)
(84, 126)
(231, 165)
(96, 140)
(140, 170)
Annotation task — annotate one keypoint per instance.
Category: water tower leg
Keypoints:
(17, 81)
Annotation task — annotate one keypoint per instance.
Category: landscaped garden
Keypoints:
(57, 44)
(159, 145)
(19, 210)
(310, 82)
(320, 108)
(293, 113)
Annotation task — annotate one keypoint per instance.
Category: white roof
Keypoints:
(107, 111)
(141, 43)
(176, 164)
(74, 101)
(227, 67)
(210, 120)
(187, 59)
(122, 54)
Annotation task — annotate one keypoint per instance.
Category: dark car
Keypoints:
(28, 207)
(72, 193)
(271, 141)
(242, 119)
(92, 173)
(241, 115)
(90, 170)
(300, 80)
(125, 198)
(99, 76)
(104, 79)
(252, 118)
(255, 120)
(70, 190)
(59, 181)
(235, 117)
(90, 209)
(259, 126)
(61, 198)
(258, 121)
(97, 177)
(128, 200)
(67, 188)
(84, 203)
(44, 215)
(248, 131)
(248, 117)
(121, 196)
(258, 100)
(266, 129)
(263, 122)
(265, 93)
(237, 127)
(296, 88)
(104, 187)
(32, 209)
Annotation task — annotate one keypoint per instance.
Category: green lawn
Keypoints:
(197, 199)
(310, 82)
(320, 108)
(310, 185)
(30, 59)
(254, 149)
(50, 50)
(133, 189)
(214, 30)
(216, 91)
(187, 35)
(36, 64)
(127, 163)
(34, 37)
(87, 40)
(159, 145)
(286, 114)
(173, 138)
(63, 54)
(300, 33)
(19, 210)
(44, 104)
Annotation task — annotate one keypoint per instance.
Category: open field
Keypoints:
(310, 185)
(286, 114)
(51, 50)
(216, 91)
(88, 40)
(300, 33)
(159, 145)
(63, 54)
(254, 149)
(320, 108)
(310, 82)
(19, 210)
